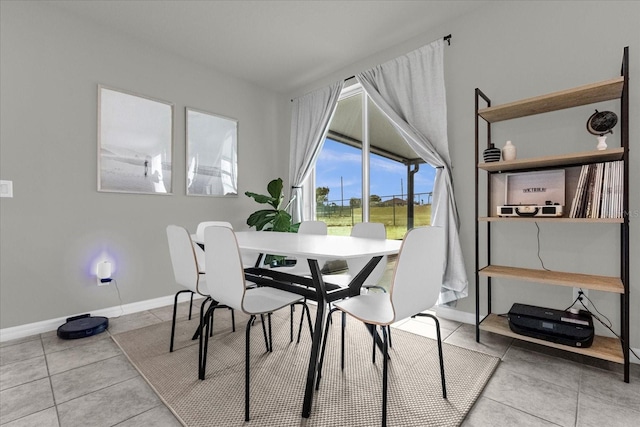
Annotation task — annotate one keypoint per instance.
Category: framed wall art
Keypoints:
(135, 142)
(212, 154)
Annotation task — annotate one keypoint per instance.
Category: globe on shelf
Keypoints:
(600, 124)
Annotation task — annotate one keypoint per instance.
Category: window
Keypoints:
(376, 165)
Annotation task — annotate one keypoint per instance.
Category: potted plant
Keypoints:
(276, 218)
(273, 219)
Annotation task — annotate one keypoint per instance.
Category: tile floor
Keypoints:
(45, 381)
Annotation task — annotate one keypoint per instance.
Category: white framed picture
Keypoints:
(135, 143)
(212, 154)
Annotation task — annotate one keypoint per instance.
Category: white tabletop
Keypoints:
(314, 246)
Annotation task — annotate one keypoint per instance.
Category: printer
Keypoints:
(574, 329)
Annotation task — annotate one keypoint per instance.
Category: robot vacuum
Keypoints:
(82, 326)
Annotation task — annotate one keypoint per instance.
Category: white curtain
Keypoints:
(310, 120)
(410, 91)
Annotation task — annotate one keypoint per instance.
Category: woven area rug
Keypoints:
(351, 397)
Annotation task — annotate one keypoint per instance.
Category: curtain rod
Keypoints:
(445, 38)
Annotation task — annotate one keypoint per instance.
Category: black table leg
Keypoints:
(317, 337)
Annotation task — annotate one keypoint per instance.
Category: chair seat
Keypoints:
(374, 309)
(264, 300)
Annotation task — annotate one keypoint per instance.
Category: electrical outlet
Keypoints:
(585, 301)
(103, 282)
(6, 188)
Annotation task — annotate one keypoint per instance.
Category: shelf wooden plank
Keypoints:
(582, 95)
(547, 219)
(578, 280)
(605, 348)
(573, 159)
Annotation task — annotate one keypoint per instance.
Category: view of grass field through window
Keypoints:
(339, 191)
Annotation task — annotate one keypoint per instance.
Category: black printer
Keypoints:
(563, 327)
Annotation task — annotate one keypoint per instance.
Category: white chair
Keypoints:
(225, 263)
(301, 268)
(249, 259)
(415, 287)
(186, 273)
(369, 230)
(200, 237)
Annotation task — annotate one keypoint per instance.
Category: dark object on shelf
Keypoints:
(82, 326)
(562, 327)
(530, 211)
(601, 122)
(491, 154)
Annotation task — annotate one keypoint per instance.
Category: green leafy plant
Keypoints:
(276, 218)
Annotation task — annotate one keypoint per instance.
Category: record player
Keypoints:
(534, 194)
(547, 210)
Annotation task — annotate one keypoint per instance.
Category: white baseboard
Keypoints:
(29, 329)
(16, 332)
(456, 315)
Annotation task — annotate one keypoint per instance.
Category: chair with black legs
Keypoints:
(187, 272)
(224, 262)
(415, 288)
(199, 237)
(369, 230)
(301, 267)
(249, 259)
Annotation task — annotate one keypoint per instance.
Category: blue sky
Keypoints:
(388, 178)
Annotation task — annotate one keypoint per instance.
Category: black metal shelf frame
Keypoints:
(624, 226)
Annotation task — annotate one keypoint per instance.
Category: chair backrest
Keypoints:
(370, 230)
(205, 224)
(200, 236)
(417, 277)
(183, 259)
(313, 227)
(224, 266)
(302, 265)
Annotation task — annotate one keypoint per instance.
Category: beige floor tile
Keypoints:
(465, 336)
(110, 405)
(158, 416)
(23, 372)
(46, 418)
(26, 399)
(133, 321)
(487, 412)
(424, 329)
(532, 395)
(551, 369)
(18, 341)
(89, 378)
(81, 355)
(595, 412)
(22, 351)
(52, 343)
(609, 386)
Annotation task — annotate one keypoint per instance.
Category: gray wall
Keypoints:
(52, 63)
(513, 50)
(57, 222)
